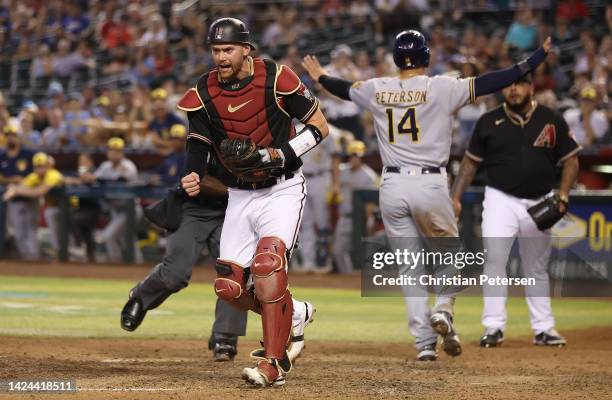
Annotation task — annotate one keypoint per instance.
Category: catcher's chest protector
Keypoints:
(248, 108)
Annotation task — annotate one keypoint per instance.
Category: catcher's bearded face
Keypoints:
(518, 95)
(229, 59)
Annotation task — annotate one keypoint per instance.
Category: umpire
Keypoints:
(200, 225)
(519, 144)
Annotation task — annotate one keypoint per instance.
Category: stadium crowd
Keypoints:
(95, 77)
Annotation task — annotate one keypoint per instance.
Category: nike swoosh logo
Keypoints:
(238, 107)
(499, 121)
(220, 290)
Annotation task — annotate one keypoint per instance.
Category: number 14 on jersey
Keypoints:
(407, 125)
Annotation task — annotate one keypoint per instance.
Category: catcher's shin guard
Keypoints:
(270, 278)
(230, 286)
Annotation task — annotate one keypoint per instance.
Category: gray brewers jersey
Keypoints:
(413, 117)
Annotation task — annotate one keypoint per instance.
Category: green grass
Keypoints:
(90, 308)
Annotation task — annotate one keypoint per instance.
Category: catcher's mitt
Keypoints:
(547, 212)
(249, 162)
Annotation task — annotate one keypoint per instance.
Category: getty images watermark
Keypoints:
(535, 266)
(453, 262)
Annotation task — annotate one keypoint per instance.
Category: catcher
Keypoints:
(519, 144)
(241, 113)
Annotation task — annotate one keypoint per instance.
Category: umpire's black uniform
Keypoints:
(201, 224)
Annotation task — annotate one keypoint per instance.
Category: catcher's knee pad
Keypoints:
(230, 286)
(269, 273)
(270, 278)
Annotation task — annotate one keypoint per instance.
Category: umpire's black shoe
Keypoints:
(549, 338)
(492, 338)
(132, 314)
(224, 347)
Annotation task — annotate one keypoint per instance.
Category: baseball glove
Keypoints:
(547, 212)
(249, 162)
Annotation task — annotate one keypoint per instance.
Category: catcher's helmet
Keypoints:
(410, 50)
(229, 30)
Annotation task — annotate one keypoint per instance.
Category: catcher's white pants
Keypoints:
(254, 214)
(505, 218)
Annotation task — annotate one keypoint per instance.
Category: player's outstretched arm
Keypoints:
(336, 86)
(493, 81)
(464, 178)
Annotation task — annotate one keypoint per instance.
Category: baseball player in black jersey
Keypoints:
(519, 144)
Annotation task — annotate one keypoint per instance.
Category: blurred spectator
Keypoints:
(563, 33)
(30, 136)
(559, 77)
(56, 134)
(341, 113)
(542, 79)
(586, 59)
(42, 65)
(156, 33)
(572, 10)
(173, 165)
(74, 22)
(547, 98)
(365, 68)
(21, 212)
(522, 33)
(179, 34)
(76, 121)
(85, 211)
(115, 32)
(162, 120)
(38, 185)
(587, 124)
(66, 62)
(117, 168)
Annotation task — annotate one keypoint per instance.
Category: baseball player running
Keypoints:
(519, 144)
(412, 115)
(242, 111)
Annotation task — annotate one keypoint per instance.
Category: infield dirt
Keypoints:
(183, 369)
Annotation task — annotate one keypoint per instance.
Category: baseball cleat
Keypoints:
(549, 338)
(296, 341)
(132, 314)
(492, 338)
(223, 348)
(427, 353)
(267, 373)
(442, 323)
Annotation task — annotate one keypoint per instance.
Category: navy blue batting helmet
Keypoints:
(410, 50)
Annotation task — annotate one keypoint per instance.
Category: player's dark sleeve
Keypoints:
(493, 81)
(198, 143)
(565, 145)
(336, 86)
(295, 98)
(300, 104)
(476, 148)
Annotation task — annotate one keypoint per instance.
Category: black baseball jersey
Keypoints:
(520, 153)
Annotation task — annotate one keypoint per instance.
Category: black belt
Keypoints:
(244, 185)
(424, 170)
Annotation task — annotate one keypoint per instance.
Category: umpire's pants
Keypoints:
(200, 226)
